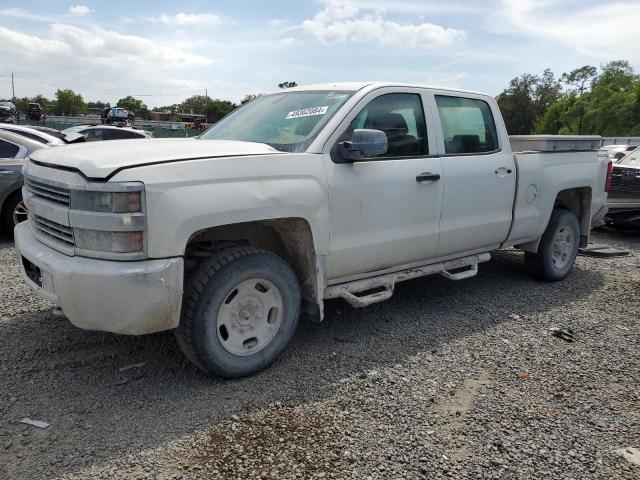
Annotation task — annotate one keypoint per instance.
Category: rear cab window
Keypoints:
(468, 126)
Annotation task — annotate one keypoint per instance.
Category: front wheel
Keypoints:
(14, 213)
(558, 248)
(240, 310)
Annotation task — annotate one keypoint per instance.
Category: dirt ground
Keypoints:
(445, 380)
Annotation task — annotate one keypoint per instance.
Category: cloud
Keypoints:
(608, 31)
(345, 21)
(93, 59)
(79, 10)
(23, 14)
(188, 19)
(420, 7)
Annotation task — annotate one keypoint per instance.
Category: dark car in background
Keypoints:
(8, 113)
(623, 200)
(35, 112)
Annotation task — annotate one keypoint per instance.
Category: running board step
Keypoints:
(381, 286)
(472, 271)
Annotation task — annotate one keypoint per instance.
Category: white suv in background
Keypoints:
(106, 132)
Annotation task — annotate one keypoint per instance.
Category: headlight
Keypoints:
(116, 242)
(109, 220)
(107, 202)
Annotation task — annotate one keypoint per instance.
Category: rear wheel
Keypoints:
(558, 248)
(240, 310)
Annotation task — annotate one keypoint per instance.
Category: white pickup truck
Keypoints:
(319, 192)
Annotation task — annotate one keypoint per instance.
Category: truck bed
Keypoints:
(565, 161)
(554, 143)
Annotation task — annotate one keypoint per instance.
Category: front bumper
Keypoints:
(133, 298)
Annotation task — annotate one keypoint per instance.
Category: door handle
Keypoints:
(6, 173)
(503, 171)
(428, 176)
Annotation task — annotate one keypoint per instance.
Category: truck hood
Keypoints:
(100, 160)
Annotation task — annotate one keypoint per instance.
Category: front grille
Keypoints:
(53, 230)
(48, 192)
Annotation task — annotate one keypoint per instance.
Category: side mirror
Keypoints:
(364, 143)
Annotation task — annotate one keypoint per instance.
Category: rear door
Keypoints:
(381, 213)
(479, 173)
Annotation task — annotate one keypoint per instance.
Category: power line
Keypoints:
(114, 94)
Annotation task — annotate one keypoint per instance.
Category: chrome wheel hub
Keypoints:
(20, 213)
(563, 245)
(250, 316)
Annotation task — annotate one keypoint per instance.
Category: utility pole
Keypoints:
(13, 90)
(206, 104)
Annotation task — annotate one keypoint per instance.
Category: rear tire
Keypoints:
(240, 311)
(558, 248)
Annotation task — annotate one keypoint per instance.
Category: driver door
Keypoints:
(382, 211)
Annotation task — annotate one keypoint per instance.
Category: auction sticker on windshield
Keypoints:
(307, 112)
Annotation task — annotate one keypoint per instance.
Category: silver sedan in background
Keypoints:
(14, 148)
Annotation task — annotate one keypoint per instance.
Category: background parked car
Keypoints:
(33, 133)
(105, 132)
(616, 152)
(44, 135)
(8, 112)
(624, 196)
(35, 112)
(13, 150)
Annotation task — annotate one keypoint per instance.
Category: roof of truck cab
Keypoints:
(355, 86)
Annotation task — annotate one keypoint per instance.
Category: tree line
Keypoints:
(68, 102)
(585, 101)
(601, 100)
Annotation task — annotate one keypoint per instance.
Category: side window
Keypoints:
(28, 135)
(401, 117)
(113, 134)
(8, 150)
(467, 125)
(633, 159)
(92, 134)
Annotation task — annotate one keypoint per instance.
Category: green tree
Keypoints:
(134, 105)
(612, 102)
(196, 104)
(526, 99)
(214, 109)
(249, 97)
(218, 109)
(21, 104)
(172, 109)
(68, 103)
(97, 104)
(580, 78)
(604, 102)
(287, 85)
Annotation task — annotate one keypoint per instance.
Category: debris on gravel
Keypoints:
(444, 380)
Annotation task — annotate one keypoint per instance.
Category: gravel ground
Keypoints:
(445, 380)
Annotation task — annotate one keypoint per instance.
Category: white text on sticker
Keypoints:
(307, 112)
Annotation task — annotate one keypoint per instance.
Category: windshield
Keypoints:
(286, 121)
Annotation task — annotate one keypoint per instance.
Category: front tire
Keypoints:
(558, 248)
(14, 212)
(240, 311)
